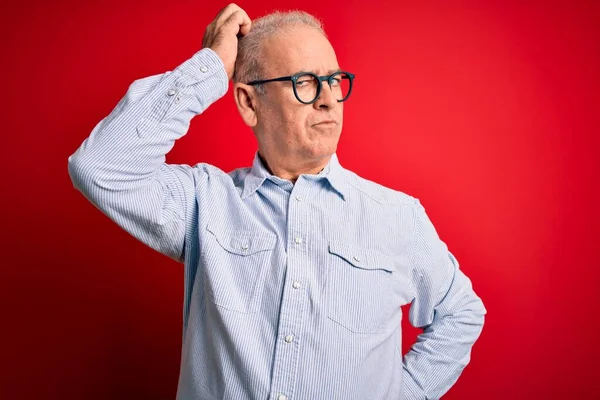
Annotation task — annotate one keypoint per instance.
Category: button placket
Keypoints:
(294, 301)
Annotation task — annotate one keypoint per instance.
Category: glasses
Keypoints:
(307, 86)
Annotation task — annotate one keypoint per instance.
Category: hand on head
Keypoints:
(221, 35)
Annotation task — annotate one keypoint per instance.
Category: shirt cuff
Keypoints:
(205, 67)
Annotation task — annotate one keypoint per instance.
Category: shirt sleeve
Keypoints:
(446, 308)
(120, 167)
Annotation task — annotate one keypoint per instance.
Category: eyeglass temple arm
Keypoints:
(283, 78)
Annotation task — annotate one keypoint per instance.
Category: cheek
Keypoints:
(280, 113)
(296, 120)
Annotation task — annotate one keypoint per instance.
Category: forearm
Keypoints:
(121, 169)
(447, 309)
(443, 350)
(129, 146)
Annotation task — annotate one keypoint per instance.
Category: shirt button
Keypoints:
(171, 92)
(245, 247)
(298, 240)
(296, 285)
(357, 259)
(298, 198)
(289, 338)
(203, 68)
(282, 397)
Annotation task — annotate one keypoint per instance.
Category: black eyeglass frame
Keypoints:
(294, 78)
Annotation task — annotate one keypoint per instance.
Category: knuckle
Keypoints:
(232, 18)
(231, 6)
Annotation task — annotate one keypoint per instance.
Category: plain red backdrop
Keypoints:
(486, 111)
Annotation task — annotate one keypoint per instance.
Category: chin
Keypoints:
(320, 150)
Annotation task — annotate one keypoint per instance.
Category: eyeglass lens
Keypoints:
(307, 86)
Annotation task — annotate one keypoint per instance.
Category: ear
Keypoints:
(245, 100)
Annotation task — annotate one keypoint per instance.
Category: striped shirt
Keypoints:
(292, 291)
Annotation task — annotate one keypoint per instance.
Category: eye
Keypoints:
(336, 81)
(305, 81)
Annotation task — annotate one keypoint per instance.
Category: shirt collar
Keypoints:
(333, 172)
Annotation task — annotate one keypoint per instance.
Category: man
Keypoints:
(296, 268)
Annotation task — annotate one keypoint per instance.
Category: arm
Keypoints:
(448, 310)
(121, 168)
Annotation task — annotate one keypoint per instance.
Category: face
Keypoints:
(287, 129)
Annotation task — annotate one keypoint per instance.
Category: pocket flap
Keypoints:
(243, 243)
(361, 257)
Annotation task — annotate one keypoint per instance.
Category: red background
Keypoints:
(486, 111)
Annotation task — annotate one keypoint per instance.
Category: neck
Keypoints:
(290, 170)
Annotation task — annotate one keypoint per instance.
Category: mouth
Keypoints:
(326, 123)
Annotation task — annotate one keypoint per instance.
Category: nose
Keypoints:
(326, 98)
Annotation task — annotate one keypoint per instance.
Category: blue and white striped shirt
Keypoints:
(292, 291)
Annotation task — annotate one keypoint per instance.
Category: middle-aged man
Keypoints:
(295, 268)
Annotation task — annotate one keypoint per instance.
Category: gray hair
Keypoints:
(248, 64)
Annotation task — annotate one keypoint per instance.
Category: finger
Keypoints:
(246, 23)
(224, 15)
(238, 22)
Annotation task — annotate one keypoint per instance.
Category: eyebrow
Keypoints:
(330, 72)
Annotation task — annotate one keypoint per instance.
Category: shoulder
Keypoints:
(378, 192)
(238, 175)
(215, 172)
(208, 174)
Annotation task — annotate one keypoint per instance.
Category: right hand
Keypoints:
(222, 34)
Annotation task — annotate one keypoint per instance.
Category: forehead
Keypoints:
(298, 49)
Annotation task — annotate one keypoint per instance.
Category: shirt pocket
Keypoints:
(235, 266)
(359, 288)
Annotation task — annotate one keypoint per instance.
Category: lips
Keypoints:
(326, 122)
